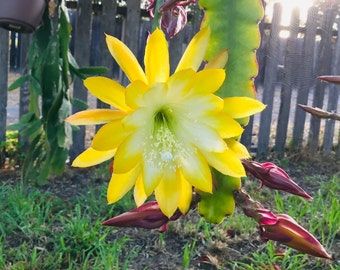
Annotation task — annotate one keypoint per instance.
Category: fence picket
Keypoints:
(107, 26)
(325, 56)
(305, 75)
(333, 97)
(270, 81)
(131, 35)
(287, 84)
(4, 41)
(82, 56)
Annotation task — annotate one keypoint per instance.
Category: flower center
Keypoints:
(164, 147)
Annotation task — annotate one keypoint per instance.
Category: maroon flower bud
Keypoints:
(290, 233)
(147, 216)
(273, 177)
(174, 20)
(174, 15)
(281, 227)
(330, 79)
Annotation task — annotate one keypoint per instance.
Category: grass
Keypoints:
(39, 230)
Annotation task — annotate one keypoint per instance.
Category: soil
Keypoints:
(209, 253)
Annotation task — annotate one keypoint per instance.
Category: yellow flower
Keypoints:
(165, 131)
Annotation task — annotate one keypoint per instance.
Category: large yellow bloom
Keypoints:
(165, 131)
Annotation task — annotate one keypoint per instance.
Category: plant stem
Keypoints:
(157, 15)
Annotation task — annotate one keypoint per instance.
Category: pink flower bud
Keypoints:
(330, 79)
(147, 216)
(174, 20)
(174, 15)
(281, 227)
(273, 177)
(290, 233)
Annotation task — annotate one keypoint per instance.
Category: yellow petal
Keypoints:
(108, 91)
(120, 184)
(91, 157)
(125, 59)
(186, 195)
(139, 118)
(219, 60)
(226, 162)
(203, 137)
(208, 80)
(156, 58)
(134, 94)
(196, 171)
(180, 83)
(226, 126)
(238, 148)
(155, 97)
(197, 106)
(109, 136)
(138, 192)
(151, 177)
(168, 193)
(194, 53)
(239, 107)
(129, 153)
(95, 117)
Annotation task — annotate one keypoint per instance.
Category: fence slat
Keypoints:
(305, 75)
(287, 84)
(324, 64)
(270, 81)
(82, 56)
(25, 89)
(333, 96)
(108, 26)
(337, 71)
(4, 41)
(130, 31)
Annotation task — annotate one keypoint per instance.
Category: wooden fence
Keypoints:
(287, 75)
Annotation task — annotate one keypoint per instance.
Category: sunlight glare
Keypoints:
(287, 8)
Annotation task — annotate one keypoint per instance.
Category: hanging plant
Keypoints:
(51, 70)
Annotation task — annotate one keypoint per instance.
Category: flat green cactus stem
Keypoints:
(234, 26)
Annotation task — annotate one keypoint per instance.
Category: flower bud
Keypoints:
(290, 233)
(273, 177)
(147, 216)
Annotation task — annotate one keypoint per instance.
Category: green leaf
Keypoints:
(15, 126)
(33, 152)
(93, 70)
(51, 76)
(18, 82)
(234, 26)
(216, 206)
(64, 33)
(75, 71)
(81, 105)
(35, 85)
(32, 128)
